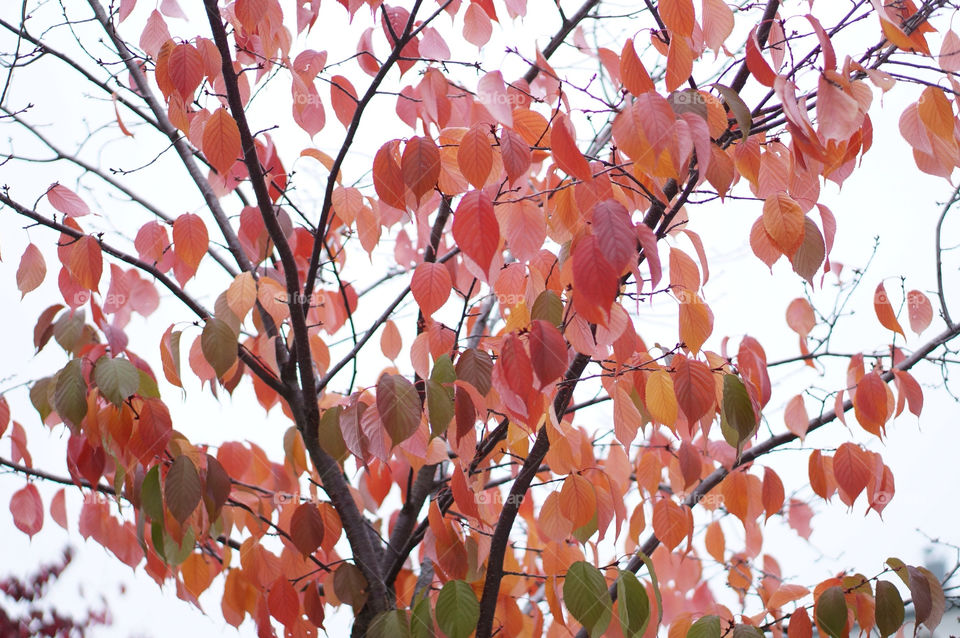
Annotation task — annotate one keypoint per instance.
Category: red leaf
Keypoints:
(615, 234)
(283, 602)
(431, 286)
(66, 201)
(755, 62)
(694, 387)
(595, 281)
(515, 153)
(221, 141)
(920, 311)
(565, 151)
(798, 517)
(27, 509)
(852, 470)
(31, 271)
(548, 352)
(343, 98)
(306, 528)
(884, 310)
(190, 239)
(420, 166)
(185, 70)
(475, 228)
(4, 414)
(58, 509)
(909, 388)
(388, 178)
(772, 494)
(514, 371)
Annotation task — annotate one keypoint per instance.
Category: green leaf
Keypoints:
(889, 611)
(831, 612)
(457, 609)
(656, 586)
(175, 553)
(151, 498)
(389, 624)
(331, 438)
(633, 605)
(421, 622)
(900, 568)
(70, 394)
(181, 489)
(705, 627)
(439, 407)
(116, 378)
(218, 342)
(399, 405)
(737, 415)
(40, 396)
(737, 106)
(747, 631)
(443, 371)
(586, 597)
(147, 387)
(548, 307)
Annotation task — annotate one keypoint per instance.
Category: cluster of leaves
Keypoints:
(508, 211)
(32, 618)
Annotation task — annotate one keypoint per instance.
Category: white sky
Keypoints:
(887, 198)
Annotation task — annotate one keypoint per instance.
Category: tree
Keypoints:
(460, 487)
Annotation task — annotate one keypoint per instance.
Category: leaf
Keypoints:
(457, 609)
(852, 470)
(755, 62)
(151, 496)
(735, 103)
(420, 166)
(475, 228)
(831, 613)
(32, 270)
(389, 624)
(85, 262)
(515, 154)
(190, 239)
(693, 386)
(306, 528)
(221, 141)
(548, 352)
(633, 606)
(920, 311)
(632, 72)
(800, 316)
(388, 178)
(811, 253)
(678, 16)
(70, 393)
(800, 626)
(350, 586)
(548, 307)
(578, 500)
(889, 609)
(218, 342)
(185, 70)
(399, 406)
(343, 98)
(705, 627)
(586, 597)
(737, 410)
(870, 403)
(565, 151)
(475, 155)
(772, 494)
(884, 310)
(58, 509)
(660, 398)
(695, 319)
(66, 201)
(615, 234)
(795, 416)
(594, 280)
(786, 594)
(718, 24)
(26, 506)
(181, 489)
(117, 379)
(783, 219)
(672, 522)
(431, 286)
(242, 294)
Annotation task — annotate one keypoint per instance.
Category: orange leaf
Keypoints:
(870, 403)
(221, 141)
(31, 271)
(714, 541)
(772, 494)
(431, 286)
(696, 321)
(800, 316)
(678, 16)
(671, 522)
(388, 178)
(632, 72)
(475, 155)
(185, 70)
(86, 262)
(909, 388)
(755, 62)
(660, 399)
(795, 416)
(852, 470)
(58, 509)
(694, 387)
(884, 310)
(343, 97)
(786, 594)
(578, 500)
(190, 239)
(66, 201)
(391, 343)
(717, 23)
(783, 221)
